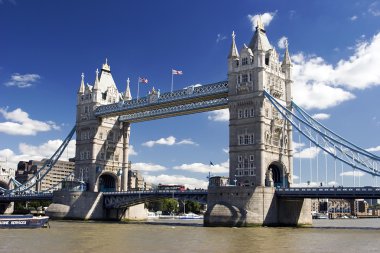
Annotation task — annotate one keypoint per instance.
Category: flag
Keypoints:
(143, 80)
(176, 72)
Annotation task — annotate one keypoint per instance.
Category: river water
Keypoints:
(359, 235)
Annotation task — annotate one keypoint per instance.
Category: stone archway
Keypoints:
(107, 183)
(276, 175)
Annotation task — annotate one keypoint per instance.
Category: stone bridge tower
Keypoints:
(260, 140)
(101, 143)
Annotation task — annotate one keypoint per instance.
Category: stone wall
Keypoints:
(250, 206)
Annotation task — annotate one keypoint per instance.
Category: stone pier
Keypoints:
(254, 206)
(77, 205)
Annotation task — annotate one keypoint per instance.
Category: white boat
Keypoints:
(190, 216)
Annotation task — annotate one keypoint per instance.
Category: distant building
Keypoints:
(136, 181)
(60, 171)
(218, 181)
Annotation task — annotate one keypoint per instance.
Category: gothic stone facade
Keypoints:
(260, 139)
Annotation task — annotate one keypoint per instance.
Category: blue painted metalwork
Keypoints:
(130, 198)
(25, 197)
(330, 192)
(338, 148)
(157, 100)
(181, 109)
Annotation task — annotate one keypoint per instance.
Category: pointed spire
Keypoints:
(260, 25)
(81, 88)
(233, 52)
(286, 60)
(127, 94)
(106, 67)
(260, 40)
(96, 85)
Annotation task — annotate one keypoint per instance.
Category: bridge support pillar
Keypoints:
(6, 208)
(254, 206)
(76, 205)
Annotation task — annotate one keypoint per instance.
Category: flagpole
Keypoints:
(172, 82)
(138, 87)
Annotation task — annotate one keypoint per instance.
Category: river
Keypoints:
(359, 235)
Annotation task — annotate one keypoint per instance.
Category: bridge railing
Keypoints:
(190, 92)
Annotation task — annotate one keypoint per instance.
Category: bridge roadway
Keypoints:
(185, 101)
(366, 192)
(129, 198)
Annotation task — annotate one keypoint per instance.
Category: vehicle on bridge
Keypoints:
(168, 187)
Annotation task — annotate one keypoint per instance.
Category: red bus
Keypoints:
(176, 187)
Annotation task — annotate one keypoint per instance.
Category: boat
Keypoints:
(23, 221)
(190, 216)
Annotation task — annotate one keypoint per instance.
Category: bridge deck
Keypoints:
(192, 99)
(330, 192)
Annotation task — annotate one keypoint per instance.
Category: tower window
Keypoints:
(241, 140)
(240, 114)
(251, 157)
(240, 158)
(252, 112)
(246, 113)
(246, 141)
(244, 61)
(245, 78)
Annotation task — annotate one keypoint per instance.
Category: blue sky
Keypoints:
(46, 45)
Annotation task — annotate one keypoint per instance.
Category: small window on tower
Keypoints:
(245, 78)
(240, 158)
(240, 114)
(244, 61)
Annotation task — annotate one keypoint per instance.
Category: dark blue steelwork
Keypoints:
(155, 101)
(330, 192)
(131, 198)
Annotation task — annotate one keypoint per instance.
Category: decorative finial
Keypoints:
(82, 76)
(106, 61)
(233, 35)
(260, 25)
(97, 72)
(128, 81)
(286, 43)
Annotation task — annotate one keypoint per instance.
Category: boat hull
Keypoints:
(21, 221)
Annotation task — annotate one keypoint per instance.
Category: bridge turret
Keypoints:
(286, 67)
(233, 56)
(99, 144)
(259, 142)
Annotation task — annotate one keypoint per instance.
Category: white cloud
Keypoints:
(266, 18)
(333, 183)
(189, 182)
(355, 173)
(23, 81)
(374, 8)
(131, 150)
(353, 18)
(297, 146)
(147, 167)
(20, 124)
(318, 84)
(310, 152)
(204, 168)
(31, 152)
(226, 150)
(321, 116)
(219, 115)
(282, 42)
(169, 141)
(373, 149)
(220, 37)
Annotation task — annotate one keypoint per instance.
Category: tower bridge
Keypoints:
(262, 124)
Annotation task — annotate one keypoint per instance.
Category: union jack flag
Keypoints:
(176, 72)
(143, 80)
